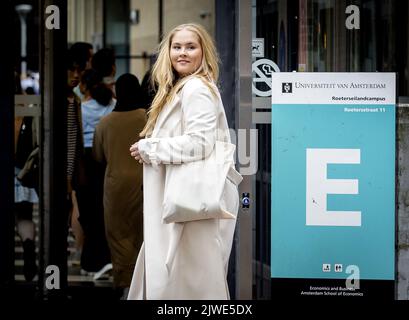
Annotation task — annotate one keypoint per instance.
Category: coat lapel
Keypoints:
(165, 113)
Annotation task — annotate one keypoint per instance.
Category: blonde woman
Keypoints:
(182, 260)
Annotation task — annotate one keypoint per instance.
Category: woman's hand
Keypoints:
(135, 152)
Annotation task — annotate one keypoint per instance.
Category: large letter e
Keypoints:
(318, 186)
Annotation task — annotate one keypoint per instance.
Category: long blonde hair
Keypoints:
(166, 79)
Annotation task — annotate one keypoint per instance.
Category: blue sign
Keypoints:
(333, 175)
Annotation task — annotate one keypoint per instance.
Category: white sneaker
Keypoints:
(98, 275)
(86, 273)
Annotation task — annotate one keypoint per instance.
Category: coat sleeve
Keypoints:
(199, 124)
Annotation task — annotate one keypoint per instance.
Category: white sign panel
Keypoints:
(257, 48)
(333, 184)
(324, 88)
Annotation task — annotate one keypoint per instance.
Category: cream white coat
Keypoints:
(183, 260)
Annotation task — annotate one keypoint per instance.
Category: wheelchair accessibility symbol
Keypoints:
(262, 71)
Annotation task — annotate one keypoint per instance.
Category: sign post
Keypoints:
(333, 184)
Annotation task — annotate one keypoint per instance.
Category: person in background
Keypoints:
(148, 89)
(123, 197)
(103, 62)
(84, 52)
(184, 260)
(98, 102)
(75, 67)
(25, 196)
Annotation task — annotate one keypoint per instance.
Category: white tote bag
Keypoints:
(194, 190)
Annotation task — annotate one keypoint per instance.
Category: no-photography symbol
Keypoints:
(263, 70)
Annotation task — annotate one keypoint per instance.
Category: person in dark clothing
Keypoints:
(148, 89)
(75, 67)
(26, 194)
(98, 102)
(74, 143)
(84, 52)
(25, 191)
(103, 62)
